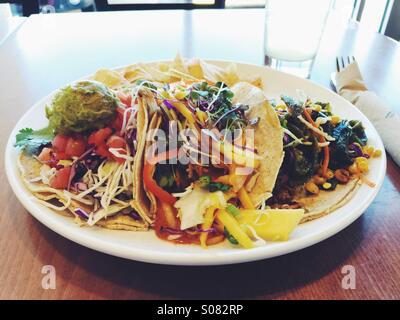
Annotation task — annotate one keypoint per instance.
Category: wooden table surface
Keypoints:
(49, 51)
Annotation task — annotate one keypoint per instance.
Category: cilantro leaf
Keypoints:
(213, 186)
(230, 237)
(32, 141)
(218, 186)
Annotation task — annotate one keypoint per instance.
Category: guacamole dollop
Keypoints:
(82, 106)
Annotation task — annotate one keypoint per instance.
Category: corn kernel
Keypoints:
(165, 94)
(369, 150)
(327, 185)
(363, 167)
(329, 174)
(318, 180)
(377, 153)
(317, 107)
(201, 115)
(353, 168)
(180, 95)
(281, 107)
(335, 119)
(311, 187)
(362, 164)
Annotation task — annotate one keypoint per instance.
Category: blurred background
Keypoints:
(382, 16)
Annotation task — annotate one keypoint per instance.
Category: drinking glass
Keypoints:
(293, 30)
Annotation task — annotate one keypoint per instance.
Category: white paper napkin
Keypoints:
(350, 85)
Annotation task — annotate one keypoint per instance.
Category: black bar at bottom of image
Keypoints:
(188, 309)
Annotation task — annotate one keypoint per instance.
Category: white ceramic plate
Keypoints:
(145, 246)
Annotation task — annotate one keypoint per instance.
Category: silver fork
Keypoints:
(343, 62)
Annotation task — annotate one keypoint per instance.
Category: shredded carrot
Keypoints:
(169, 215)
(321, 139)
(325, 164)
(309, 119)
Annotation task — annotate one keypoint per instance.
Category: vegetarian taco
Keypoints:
(208, 178)
(85, 162)
(325, 158)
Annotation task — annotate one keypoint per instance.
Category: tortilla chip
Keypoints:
(179, 64)
(135, 72)
(195, 69)
(29, 166)
(231, 76)
(110, 78)
(257, 82)
(268, 139)
(327, 201)
(207, 71)
(149, 72)
(213, 73)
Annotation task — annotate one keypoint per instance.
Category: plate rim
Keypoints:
(234, 256)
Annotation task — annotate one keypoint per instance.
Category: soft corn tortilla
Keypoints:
(141, 202)
(29, 169)
(268, 140)
(123, 222)
(154, 124)
(269, 144)
(327, 201)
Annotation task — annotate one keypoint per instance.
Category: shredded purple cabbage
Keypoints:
(286, 138)
(130, 138)
(209, 230)
(71, 175)
(357, 151)
(170, 230)
(93, 162)
(82, 213)
(203, 105)
(168, 105)
(131, 213)
(134, 215)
